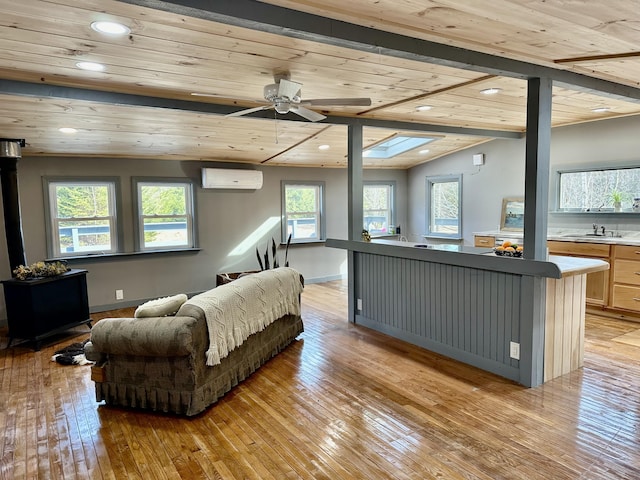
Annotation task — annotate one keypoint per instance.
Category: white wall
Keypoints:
(607, 142)
(226, 219)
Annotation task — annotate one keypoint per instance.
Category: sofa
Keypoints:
(180, 357)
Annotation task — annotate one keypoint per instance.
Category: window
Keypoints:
(598, 190)
(165, 214)
(378, 204)
(303, 211)
(444, 206)
(82, 216)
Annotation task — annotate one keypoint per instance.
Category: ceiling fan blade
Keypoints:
(360, 102)
(289, 89)
(248, 110)
(306, 113)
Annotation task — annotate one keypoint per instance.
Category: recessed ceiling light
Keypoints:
(601, 109)
(91, 66)
(424, 152)
(490, 91)
(111, 28)
(67, 130)
(324, 147)
(423, 108)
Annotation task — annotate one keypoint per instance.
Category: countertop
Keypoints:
(555, 267)
(621, 238)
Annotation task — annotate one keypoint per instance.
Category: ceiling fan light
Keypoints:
(282, 107)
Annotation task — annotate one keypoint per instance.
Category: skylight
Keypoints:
(395, 146)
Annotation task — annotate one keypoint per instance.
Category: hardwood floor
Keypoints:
(342, 402)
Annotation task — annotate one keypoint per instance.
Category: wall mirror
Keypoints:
(512, 218)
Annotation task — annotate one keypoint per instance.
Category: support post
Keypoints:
(354, 203)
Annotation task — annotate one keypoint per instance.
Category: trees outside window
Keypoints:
(82, 217)
(165, 214)
(593, 190)
(444, 206)
(303, 211)
(377, 202)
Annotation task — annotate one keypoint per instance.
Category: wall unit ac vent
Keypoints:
(230, 178)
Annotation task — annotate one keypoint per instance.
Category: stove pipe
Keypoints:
(10, 152)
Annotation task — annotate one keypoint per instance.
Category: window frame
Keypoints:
(429, 183)
(392, 202)
(191, 212)
(556, 186)
(321, 229)
(51, 222)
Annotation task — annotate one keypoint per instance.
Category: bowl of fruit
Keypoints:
(508, 249)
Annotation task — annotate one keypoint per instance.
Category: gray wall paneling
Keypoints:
(464, 313)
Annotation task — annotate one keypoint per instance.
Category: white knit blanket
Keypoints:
(246, 306)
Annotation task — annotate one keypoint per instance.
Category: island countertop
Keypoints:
(476, 257)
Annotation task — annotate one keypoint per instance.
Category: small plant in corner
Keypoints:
(266, 265)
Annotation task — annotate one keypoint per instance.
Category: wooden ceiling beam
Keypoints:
(17, 87)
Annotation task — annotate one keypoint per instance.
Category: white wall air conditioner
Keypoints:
(230, 178)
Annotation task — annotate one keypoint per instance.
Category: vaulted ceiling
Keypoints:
(400, 53)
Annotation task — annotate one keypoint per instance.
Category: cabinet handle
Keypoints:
(483, 241)
(636, 299)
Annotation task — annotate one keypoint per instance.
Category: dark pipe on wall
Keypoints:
(10, 152)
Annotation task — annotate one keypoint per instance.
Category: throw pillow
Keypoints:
(161, 307)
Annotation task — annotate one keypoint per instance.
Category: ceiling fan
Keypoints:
(284, 96)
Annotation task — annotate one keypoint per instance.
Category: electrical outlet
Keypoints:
(360, 304)
(514, 350)
(119, 294)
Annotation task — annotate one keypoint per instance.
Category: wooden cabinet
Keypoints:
(488, 241)
(625, 288)
(597, 282)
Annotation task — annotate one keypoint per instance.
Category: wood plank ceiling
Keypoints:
(146, 108)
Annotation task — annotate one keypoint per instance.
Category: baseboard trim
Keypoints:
(330, 278)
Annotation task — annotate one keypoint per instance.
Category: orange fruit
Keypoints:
(506, 243)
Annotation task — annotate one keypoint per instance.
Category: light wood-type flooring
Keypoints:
(342, 402)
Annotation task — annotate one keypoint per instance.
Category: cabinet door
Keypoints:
(626, 271)
(598, 287)
(626, 297)
(488, 241)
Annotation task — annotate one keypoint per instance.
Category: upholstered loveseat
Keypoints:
(183, 363)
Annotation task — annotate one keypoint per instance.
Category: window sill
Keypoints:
(442, 237)
(304, 242)
(108, 256)
(595, 211)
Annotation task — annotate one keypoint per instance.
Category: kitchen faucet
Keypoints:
(597, 227)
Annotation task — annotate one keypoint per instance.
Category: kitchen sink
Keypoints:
(581, 235)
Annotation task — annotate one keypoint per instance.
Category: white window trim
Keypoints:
(430, 181)
(320, 214)
(53, 221)
(392, 199)
(190, 214)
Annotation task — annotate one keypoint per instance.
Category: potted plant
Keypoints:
(616, 196)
